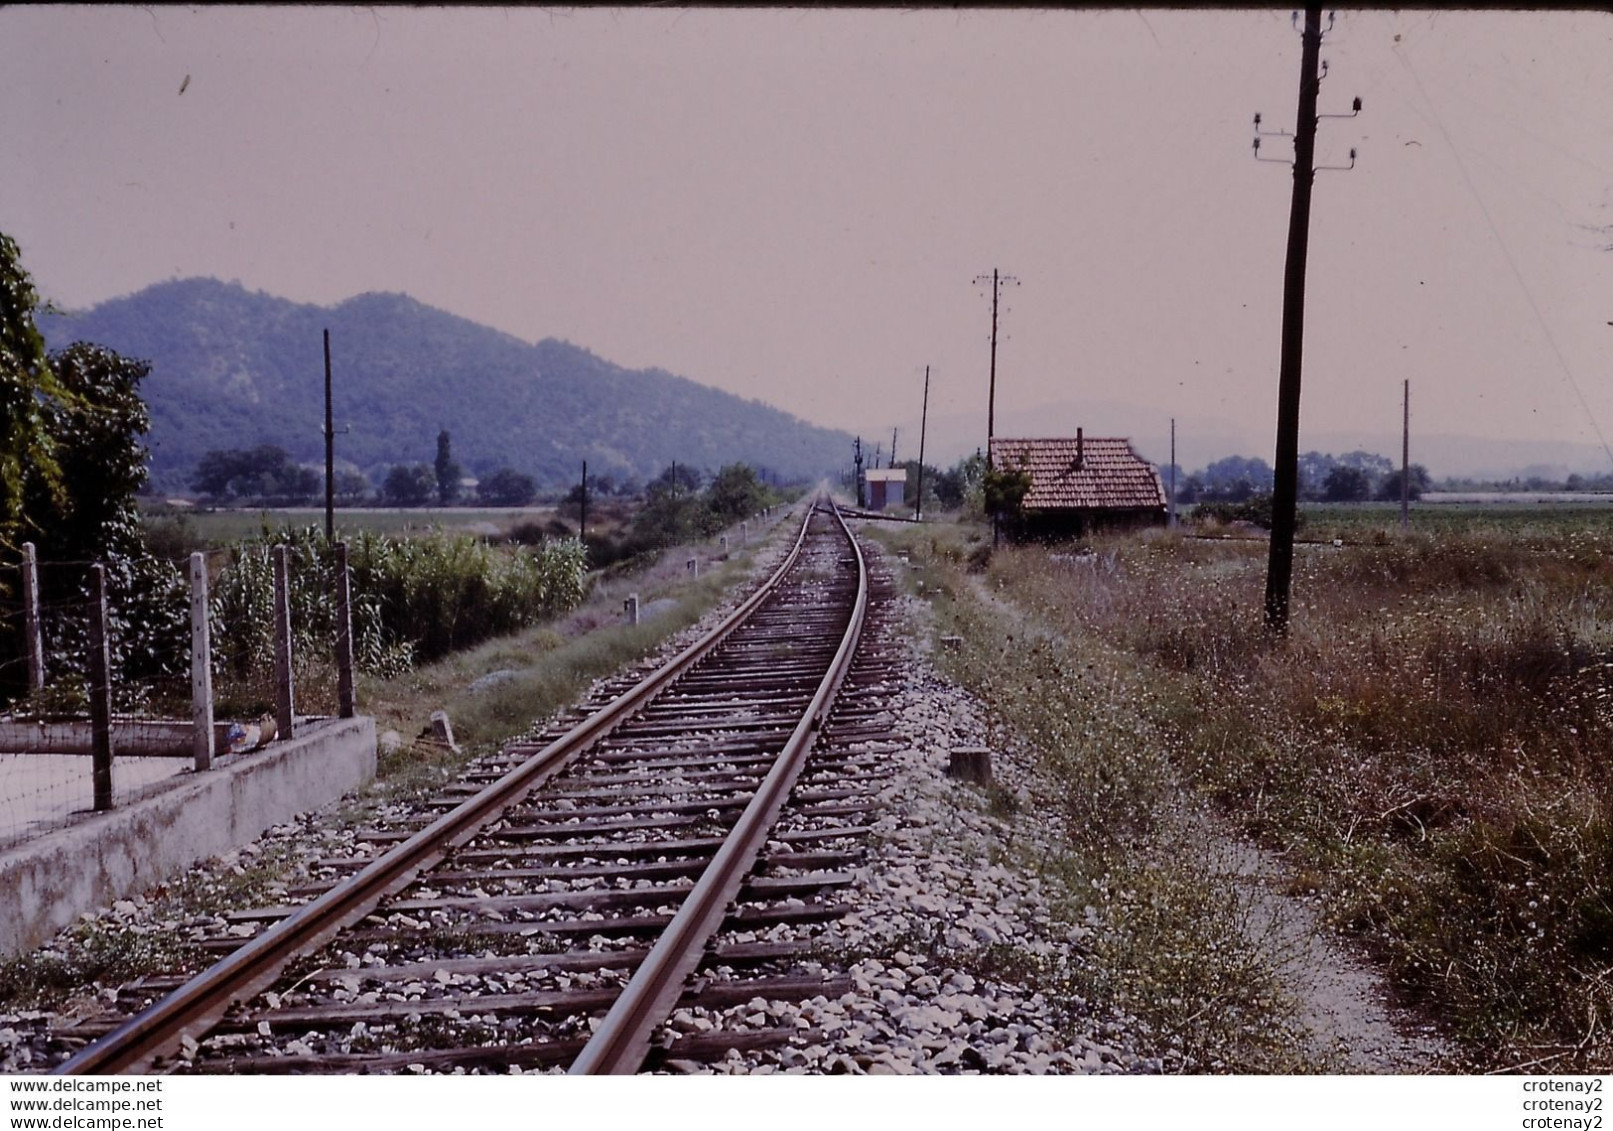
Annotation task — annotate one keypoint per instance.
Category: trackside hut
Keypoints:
(887, 487)
(1081, 484)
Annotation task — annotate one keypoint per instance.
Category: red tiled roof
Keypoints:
(1111, 476)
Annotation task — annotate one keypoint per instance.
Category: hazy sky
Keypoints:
(792, 204)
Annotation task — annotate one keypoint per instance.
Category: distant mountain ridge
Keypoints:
(233, 368)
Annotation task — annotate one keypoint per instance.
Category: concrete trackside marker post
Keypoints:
(630, 608)
(201, 666)
(970, 764)
(284, 716)
(100, 692)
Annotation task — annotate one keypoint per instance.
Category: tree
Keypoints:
(408, 485)
(351, 486)
(1005, 490)
(71, 463)
(1346, 485)
(675, 480)
(448, 471)
(673, 510)
(28, 387)
(266, 472)
(1374, 465)
(954, 485)
(735, 493)
(96, 430)
(1235, 479)
(1313, 469)
(506, 487)
(1418, 481)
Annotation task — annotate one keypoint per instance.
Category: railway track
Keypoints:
(632, 887)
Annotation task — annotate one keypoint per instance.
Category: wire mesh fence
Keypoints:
(112, 684)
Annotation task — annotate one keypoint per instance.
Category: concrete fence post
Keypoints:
(34, 643)
(100, 692)
(744, 533)
(284, 713)
(347, 703)
(201, 667)
(630, 608)
(693, 566)
(722, 544)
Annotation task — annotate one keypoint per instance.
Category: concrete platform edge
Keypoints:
(48, 882)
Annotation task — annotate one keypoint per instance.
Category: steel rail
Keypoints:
(622, 1040)
(194, 1008)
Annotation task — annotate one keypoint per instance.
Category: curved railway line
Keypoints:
(673, 854)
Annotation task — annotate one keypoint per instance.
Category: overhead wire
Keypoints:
(1506, 253)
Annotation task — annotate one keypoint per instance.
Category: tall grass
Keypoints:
(1172, 945)
(1431, 743)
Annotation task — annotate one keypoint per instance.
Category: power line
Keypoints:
(1506, 253)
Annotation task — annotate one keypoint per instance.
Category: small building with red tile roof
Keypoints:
(1079, 484)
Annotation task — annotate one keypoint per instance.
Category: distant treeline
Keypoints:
(1353, 477)
(267, 475)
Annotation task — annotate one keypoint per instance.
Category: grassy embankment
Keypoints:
(1428, 748)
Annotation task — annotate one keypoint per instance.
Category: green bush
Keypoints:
(1256, 510)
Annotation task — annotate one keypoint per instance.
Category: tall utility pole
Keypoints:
(1280, 564)
(582, 520)
(1405, 456)
(1171, 518)
(892, 462)
(330, 453)
(997, 281)
(924, 420)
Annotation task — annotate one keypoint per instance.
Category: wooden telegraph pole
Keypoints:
(1405, 456)
(997, 281)
(1171, 518)
(924, 420)
(330, 454)
(1285, 485)
(1280, 563)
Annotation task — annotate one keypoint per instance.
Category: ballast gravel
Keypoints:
(958, 961)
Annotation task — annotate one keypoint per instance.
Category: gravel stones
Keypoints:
(956, 960)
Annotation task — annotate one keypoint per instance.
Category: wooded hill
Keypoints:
(232, 368)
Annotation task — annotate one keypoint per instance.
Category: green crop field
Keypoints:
(220, 527)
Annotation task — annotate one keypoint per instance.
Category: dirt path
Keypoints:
(1341, 999)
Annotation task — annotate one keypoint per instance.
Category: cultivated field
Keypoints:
(220, 527)
(1428, 753)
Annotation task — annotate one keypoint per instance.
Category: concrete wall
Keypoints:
(48, 882)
